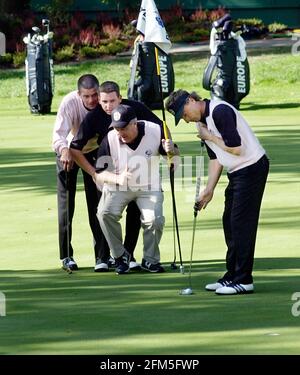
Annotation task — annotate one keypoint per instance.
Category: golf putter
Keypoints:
(173, 264)
(189, 290)
(68, 219)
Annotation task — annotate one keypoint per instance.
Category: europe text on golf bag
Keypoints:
(39, 70)
(228, 55)
(144, 82)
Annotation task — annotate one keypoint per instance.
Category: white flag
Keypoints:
(152, 27)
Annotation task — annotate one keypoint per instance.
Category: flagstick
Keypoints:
(170, 162)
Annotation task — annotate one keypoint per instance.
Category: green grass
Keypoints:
(51, 312)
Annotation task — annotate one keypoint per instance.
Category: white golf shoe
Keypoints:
(101, 266)
(219, 284)
(234, 288)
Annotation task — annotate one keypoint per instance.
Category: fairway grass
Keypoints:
(51, 312)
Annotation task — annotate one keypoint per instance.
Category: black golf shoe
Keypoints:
(150, 267)
(122, 263)
(111, 262)
(69, 264)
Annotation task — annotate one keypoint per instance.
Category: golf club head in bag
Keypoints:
(221, 21)
(39, 69)
(229, 58)
(46, 23)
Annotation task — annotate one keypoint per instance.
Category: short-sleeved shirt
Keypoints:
(225, 121)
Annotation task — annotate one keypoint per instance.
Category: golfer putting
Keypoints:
(230, 143)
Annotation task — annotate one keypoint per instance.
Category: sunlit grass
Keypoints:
(51, 312)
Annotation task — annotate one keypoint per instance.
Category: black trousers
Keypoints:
(243, 197)
(133, 226)
(93, 196)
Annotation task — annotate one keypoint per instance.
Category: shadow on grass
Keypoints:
(249, 106)
(140, 313)
(271, 218)
(26, 170)
(257, 51)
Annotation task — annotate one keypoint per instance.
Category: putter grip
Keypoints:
(197, 188)
(197, 124)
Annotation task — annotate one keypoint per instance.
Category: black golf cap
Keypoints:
(122, 115)
(176, 106)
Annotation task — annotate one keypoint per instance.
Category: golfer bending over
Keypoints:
(230, 143)
(95, 127)
(128, 167)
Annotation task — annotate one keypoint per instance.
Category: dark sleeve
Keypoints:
(210, 153)
(144, 113)
(104, 160)
(86, 132)
(162, 136)
(225, 121)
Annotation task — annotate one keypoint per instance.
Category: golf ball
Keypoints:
(186, 291)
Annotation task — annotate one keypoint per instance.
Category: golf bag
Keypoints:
(39, 70)
(143, 84)
(228, 54)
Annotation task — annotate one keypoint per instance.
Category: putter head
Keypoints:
(68, 270)
(186, 292)
(173, 266)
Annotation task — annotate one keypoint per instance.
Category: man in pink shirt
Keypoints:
(72, 110)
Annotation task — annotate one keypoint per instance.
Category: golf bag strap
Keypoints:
(208, 72)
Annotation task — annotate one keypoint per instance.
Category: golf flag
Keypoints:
(152, 27)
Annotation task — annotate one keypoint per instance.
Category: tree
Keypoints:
(13, 6)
